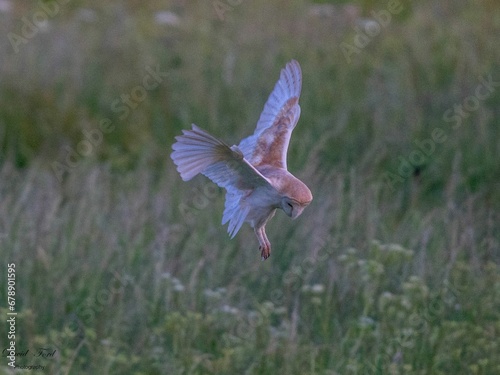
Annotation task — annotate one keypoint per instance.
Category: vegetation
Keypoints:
(123, 268)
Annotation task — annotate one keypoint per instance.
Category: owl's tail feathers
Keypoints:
(196, 150)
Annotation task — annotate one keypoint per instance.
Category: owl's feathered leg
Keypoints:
(264, 244)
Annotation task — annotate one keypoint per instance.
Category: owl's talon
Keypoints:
(265, 252)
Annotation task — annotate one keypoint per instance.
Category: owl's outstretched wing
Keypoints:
(196, 151)
(269, 143)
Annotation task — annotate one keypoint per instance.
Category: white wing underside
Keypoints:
(196, 151)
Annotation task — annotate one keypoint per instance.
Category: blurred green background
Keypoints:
(123, 268)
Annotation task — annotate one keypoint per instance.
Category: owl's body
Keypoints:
(254, 173)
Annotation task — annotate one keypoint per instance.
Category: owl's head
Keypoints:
(293, 207)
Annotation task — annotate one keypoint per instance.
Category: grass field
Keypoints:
(123, 268)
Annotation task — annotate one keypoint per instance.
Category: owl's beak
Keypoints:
(296, 212)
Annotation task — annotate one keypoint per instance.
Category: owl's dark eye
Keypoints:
(289, 205)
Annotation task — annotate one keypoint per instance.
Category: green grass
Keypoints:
(123, 268)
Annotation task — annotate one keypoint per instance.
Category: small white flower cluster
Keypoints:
(215, 294)
(176, 283)
(314, 291)
(229, 310)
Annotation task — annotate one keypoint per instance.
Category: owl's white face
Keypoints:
(292, 207)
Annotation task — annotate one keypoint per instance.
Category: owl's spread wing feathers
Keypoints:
(235, 212)
(196, 151)
(269, 143)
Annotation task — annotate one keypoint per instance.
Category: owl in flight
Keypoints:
(254, 173)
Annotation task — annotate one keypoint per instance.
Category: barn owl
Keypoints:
(254, 173)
